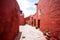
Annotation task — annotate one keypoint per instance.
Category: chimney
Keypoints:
(21, 12)
(36, 3)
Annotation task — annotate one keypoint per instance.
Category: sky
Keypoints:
(27, 6)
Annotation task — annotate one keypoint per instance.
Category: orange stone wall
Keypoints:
(50, 16)
(9, 21)
(35, 17)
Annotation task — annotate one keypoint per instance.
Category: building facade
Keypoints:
(50, 17)
(9, 21)
(27, 20)
(36, 18)
(21, 18)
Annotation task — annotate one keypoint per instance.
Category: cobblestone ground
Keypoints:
(30, 33)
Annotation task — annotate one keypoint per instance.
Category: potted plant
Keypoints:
(47, 34)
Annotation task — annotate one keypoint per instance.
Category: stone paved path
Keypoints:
(30, 33)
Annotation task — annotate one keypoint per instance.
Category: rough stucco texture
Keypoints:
(8, 19)
(50, 16)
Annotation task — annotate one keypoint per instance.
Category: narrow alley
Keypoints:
(31, 33)
(29, 19)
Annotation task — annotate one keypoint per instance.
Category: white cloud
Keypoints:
(25, 5)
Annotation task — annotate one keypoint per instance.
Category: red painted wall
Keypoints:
(36, 17)
(50, 16)
(9, 26)
(27, 19)
(21, 19)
